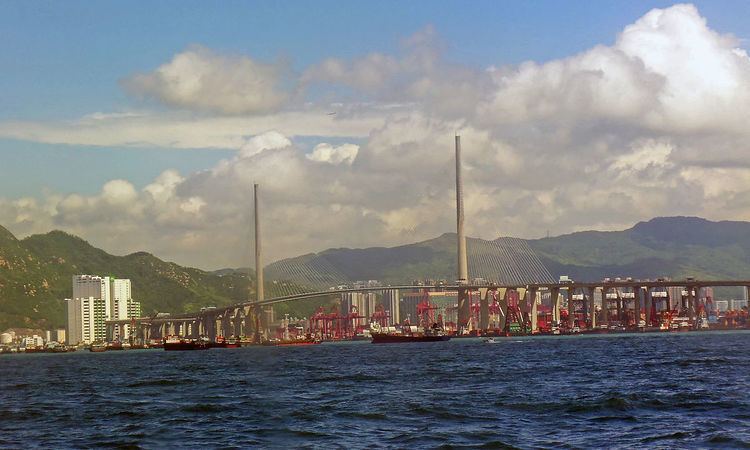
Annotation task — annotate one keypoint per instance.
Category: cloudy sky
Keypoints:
(143, 127)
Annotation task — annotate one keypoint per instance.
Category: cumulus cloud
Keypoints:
(654, 124)
(202, 79)
(326, 153)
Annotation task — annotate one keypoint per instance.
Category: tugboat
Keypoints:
(172, 343)
(432, 334)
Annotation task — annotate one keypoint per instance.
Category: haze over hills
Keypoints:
(35, 273)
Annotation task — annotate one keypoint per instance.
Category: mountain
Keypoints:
(36, 273)
(504, 259)
(667, 246)
(673, 247)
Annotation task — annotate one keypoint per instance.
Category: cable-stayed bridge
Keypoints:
(503, 261)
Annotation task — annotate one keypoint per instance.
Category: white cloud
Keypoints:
(654, 124)
(326, 153)
(185, 132)
(256, 144)
(201, 79)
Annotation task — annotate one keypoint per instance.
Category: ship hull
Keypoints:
(395, 339)
(185, 346)
(290, 343)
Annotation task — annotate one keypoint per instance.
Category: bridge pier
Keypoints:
(692, 292)
(237, 322)
(637, 304)
(531, 309)
(571, 308)
(591, 308)
(503, 319)
(604, 315)
(648, 303)
(484, 310)
(555, 304)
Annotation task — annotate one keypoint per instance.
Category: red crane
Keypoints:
(426, 310)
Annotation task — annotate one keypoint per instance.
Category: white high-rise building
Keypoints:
(88, 286)
(123, 305)
(86, 318)
(95, 300)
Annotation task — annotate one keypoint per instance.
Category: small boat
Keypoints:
(35, 350)
(174, 343)
(222, 342)
(97, 348)
(490, 340)
(115, 346)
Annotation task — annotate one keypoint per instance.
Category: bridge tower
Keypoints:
(464, 303)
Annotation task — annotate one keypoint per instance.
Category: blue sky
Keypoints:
(65, 64)
(63, 60)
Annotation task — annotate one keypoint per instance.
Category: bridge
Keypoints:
(510, 304)
(525, 298)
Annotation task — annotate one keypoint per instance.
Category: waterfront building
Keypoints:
(391, 302)
(32, 341)
(86, 320)
(56, 335)
(123, 305)
(95, 300)
(364, 302)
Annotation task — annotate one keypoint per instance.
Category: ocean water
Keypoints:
(629, 391)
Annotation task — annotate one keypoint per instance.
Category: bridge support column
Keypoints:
(571, 307)
(503, 320)
(648, 303)
(637, 305)
(211, 328)
(555, 304)
(484, 310)
(237, 322)
(692, 292)
(464, 308)
(605, 306)
(532, 309)
(592, 308)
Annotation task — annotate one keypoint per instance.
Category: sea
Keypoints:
(673, 390)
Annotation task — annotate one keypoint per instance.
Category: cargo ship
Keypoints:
(408, 334)
(173, 343)
(291, 342)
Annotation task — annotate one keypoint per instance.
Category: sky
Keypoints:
(143, 125)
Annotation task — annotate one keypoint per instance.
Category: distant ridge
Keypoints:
(507, 260)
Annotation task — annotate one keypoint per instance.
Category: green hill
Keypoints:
(36, 272)
(673, 247)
